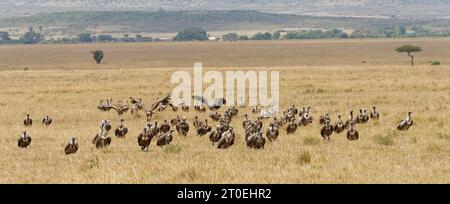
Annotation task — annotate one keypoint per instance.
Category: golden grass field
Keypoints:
(64, 82)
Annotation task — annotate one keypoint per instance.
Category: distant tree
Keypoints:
(191, 34)
(105, 38)
(244, 37)
(230, 37)
(85, 37)
(4, 38)
(262, 36)
(31, 37)
(277, 34)
(409, 49)
(97, 55)
(402, 30)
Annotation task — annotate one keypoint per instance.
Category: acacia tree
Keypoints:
(409, 49)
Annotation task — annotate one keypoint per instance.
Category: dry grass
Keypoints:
(69, 91)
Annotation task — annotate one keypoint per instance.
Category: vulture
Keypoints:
(47, 120)
(175, 120)
(326, 130)
(215, 116)
(144, 139)
(105, 107)
(293, 110)
(28, 121)
(24, 140)
(121, 108)
(349, 121)
(182, 127)
(197, 123)
(362, 117)
(71, 147)
(352, 133)
(324, 119)
(406, 123)
(272, 132)
(256, 109)
(101, 139)
(339, 126)
(227, 139)
(165, 138)
(105, 124)
(256, 140)
(215, 135)
(121, 131)
(165, 127)
(148, 115)
(184, 107)
(218, 103)
(200, 108)
(291, 127)
(203, 129)
(162, 104)
(375, 114)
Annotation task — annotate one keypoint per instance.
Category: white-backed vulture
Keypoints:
(28, 121)
(46, 120)
(405, 124)
(71, 147)
(24, 140)
(326, 130)
(121, 131)
(352, 133)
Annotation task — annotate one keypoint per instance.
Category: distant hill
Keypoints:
(72, 23)
(372, 8)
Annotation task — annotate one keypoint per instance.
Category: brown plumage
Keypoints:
(256, 109)
(182, 127)
(256, 140)
(46, 120)
(215, 116)
(203, 129)
(175, 120)
(164, 138)
(405, 124)
(272, 132)
(362, 117)
(101, 139)
(291, 127)
(121, 131)
(28, 121)
(326, 130)
(24, 140)
(227, 139)
(339, 126)
(349, 121)
(71, 147)
(144, 139)
(323, 119)
(375, 114)
(352, 133)
(165, 127)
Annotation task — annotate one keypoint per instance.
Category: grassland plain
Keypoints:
(64, 82)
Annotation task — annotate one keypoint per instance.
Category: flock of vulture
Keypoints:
(223, 134)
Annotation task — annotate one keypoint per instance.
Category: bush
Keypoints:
(311, 140)
(85, 37)
(435, 63)
(31, 37)
(173, 148)
(262, 36)
(385, 139)
(244, 37)
(191, 35)
(230, 37)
